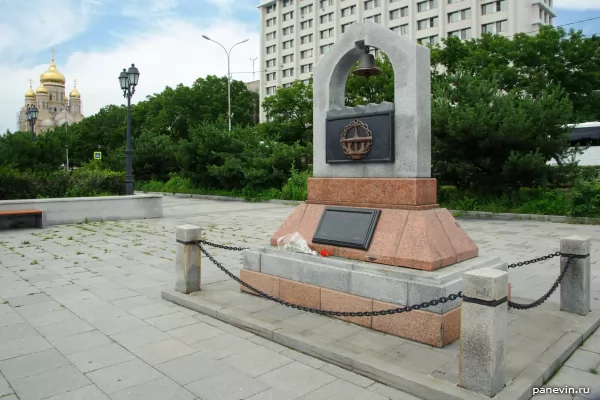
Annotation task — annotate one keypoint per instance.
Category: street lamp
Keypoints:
(128, 79)
(32, 114)
(228, 75)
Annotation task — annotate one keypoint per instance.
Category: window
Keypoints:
(286, 3)
(493, 7)
(426, 5)
(287, 59)
(288, 16)
(306, 39)
(348, 11)
(271, 21)
(306, 9)
(404, 29)
(345, 26)
(371, 4)
(429, 40)
(271, 76)
(306, 24)
(326, 33)
(285, 85)
(270, 63)
(306, 54)
(270, 90)
(288, 72)
(270, 8)
(271, 49)
(393, 1)
(461, 34)
(288, 30)
(459, 15)
(374, 18)
(427, 23)
(454, 1)
(306, 68)
(395, 14)
(404, 12)
(495, 27)
(325, 3)
(271, 36)
(325, 48)
(326, 18)
(288, 44)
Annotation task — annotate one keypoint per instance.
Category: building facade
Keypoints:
(54, 107)
(295, 34)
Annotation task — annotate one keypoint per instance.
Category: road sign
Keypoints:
(97, 155)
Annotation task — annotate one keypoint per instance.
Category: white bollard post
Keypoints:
(484, 312)
(575, 285)
(187, 259)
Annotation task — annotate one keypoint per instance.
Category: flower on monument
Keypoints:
(325, 253)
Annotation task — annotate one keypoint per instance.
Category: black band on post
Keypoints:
(574, 255)
(190, 242)
(489, 303)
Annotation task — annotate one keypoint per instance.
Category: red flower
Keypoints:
(325, 253)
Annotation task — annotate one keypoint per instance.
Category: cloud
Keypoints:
(170, 53)
(577, 4)
(224, 6)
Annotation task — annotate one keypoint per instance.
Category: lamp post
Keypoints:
(228, 74)
(32, 114)
(128, 79)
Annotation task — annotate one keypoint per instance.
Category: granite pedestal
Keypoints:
(339, 284)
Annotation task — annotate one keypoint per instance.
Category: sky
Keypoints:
(95, 39)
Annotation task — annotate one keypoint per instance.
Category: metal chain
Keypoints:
(520, 306)
(426, 304)
(534, 260)
(222, 246)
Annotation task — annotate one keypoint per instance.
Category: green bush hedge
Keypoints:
(79, 183)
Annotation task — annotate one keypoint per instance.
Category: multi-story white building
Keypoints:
(295, 34)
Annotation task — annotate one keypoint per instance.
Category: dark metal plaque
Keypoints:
(366, 138)
(346, 227)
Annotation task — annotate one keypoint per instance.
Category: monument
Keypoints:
(372, 203)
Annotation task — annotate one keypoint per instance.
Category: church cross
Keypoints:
(30, 82)
(53, 53)
(75, 83)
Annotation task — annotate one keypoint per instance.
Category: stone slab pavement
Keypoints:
(81, 315)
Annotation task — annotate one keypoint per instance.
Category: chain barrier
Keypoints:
(435, 302)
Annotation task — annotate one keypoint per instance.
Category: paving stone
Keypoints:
(160, 352)
(303, 358)
(391, 393)
(51, 317)
(49, 383)
(583, 360)
(124, 375)
(195, 333)
(152, 311)
(222, 346)
(592, 343)
(346, 375)
(5, 388)
(296, 379)
(100, 357)
(21, 347)
(80, 342)
(31, 364)
(158, 389)
(5, 309)
(65, 328)
(16, 331)
(227, 385)
(171, 321)
(10, 319)
(192, 368)
(141, 336)
(131, 303)
(90, 392)
(341, 390)
(112, 326)
(32, 310)
(257, 361)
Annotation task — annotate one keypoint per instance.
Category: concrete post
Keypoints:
(187, 259)
(575, 286)
(484, 312)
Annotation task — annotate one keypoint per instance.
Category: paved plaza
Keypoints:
(81, 314)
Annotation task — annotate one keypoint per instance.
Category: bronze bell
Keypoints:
(367, 66)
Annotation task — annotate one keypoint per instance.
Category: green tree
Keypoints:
(362, 91)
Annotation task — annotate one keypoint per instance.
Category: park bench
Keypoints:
(11, 218)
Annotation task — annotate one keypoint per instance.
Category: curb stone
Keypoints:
(560, 219)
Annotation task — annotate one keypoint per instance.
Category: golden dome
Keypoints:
(75, 92)
(42, 89)
(52, 75)
(30, 94)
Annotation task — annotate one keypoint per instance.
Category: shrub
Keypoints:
(296, 186)
(79, 183)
